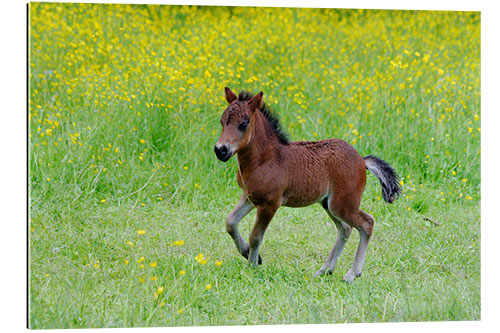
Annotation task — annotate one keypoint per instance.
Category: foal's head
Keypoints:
(237, 123)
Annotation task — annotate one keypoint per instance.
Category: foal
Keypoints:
(274, 172)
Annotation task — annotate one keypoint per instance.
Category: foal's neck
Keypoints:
(263, 145)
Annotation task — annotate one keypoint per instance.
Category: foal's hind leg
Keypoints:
(343, 233)
(243, 207)
(364, 223)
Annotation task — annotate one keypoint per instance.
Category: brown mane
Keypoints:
(271, 117)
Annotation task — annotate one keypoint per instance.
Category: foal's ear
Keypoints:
(255, 102)
(230, 96)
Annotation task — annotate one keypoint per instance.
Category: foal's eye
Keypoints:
(243, 126)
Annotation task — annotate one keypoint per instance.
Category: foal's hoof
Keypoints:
(322, 272)
(259, 262)
(350, 276)
(247, 252)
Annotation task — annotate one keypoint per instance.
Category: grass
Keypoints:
(126, 193)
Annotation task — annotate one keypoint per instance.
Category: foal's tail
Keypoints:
(387, 176)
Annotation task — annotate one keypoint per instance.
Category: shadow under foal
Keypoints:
(274, 172)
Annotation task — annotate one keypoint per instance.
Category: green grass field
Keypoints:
(128, 202)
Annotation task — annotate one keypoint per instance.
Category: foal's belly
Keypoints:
(296, 197)
(307, 184)
(301, 202)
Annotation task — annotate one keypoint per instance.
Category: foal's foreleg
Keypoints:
(343, 233)
(264, 216)
(243, 207)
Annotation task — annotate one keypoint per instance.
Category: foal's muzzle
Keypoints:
(222, 153)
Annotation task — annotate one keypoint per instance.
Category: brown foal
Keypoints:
(274, 172)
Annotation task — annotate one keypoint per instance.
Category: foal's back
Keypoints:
(316, 169)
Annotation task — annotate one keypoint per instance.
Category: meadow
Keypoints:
(127, 201)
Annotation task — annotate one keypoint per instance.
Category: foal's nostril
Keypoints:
(220, 150)
(222, 153)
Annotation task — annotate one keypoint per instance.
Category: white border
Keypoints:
(13, 140)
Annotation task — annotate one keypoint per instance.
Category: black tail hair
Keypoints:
(389, 179)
